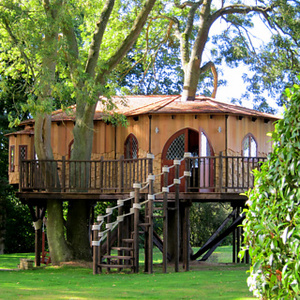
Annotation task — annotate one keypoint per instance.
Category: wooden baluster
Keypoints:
(220, 172)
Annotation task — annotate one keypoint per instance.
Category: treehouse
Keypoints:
(193, 151)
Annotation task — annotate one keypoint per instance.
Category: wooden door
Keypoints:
(185, 140)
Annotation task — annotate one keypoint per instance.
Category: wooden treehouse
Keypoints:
(171, 155)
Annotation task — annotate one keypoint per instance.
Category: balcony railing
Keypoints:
(208, 174)
(102, 176)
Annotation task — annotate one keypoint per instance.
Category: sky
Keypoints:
(235, 85)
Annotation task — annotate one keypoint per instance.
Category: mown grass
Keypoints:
(206, 281)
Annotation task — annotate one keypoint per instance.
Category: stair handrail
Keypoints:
(109, 211)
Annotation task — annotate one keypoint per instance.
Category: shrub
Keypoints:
(273, 214)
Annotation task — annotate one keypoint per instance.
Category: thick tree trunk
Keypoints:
(59, 250)
(78, 211)
(191, 68)
(77, 230)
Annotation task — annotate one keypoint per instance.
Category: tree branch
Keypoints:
(186, 3)
(207, 66)
(240, 9)
(73, 54)
(97, 38)
(16, 41)
(128, 41)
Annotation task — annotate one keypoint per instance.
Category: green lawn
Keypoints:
(206, 281)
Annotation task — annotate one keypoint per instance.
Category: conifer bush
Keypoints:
(272, 224)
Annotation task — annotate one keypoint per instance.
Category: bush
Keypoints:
(273, 217)
(19, 232)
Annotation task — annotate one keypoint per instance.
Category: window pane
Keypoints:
(176, 149)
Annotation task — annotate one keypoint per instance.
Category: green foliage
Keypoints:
(205, 219)
(19, 232)
(273, 217)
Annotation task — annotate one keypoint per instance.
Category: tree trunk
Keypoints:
(78, 211)
(59, 250)
(192, 68)
(77, 230)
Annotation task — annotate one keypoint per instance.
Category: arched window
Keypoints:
(131, 147)
(176, 149)
(71, 145)
(249, 146)
(205, 146)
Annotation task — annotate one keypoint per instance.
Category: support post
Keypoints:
(38, 235)
(176, 227)
(165, 220)
(150, 220)
(137, 187)
(95, 249)
(186, 223)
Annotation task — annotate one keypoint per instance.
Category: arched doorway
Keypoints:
(197, 143)
(185, 140)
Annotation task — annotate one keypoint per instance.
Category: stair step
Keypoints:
(122, 248)
(125, 257)
(172, 208)
(144, 224)
(157, 208)
(162, 201)
(115, 266)
(157, 216)
(127, 240)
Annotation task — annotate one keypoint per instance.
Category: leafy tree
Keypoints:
(205, 219)
(68, 48)
(16, 231)
(273, 217)
(190, 26)
(276, 65)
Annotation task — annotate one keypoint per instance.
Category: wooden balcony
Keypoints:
(214, 177)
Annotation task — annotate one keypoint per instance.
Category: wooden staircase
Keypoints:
(124, 258)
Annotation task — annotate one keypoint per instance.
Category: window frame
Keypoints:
(249, 137)
(129, 143)
(12, 158)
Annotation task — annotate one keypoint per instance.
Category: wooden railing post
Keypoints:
(177, 236)
(165, 219)
(151, 179)
(21, 176)
(96, 245)
(186, 222)
(121, 174)
(220, 172)
(136, 209)
(63, 174)
(150, 158)
(101, 174)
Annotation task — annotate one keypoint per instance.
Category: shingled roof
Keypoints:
(160, 104)
(140, 105)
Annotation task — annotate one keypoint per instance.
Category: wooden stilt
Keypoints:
(150, 228)
(176, 225)
(137, 187)
(186, 222)
(95, 250)
(165, 221)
